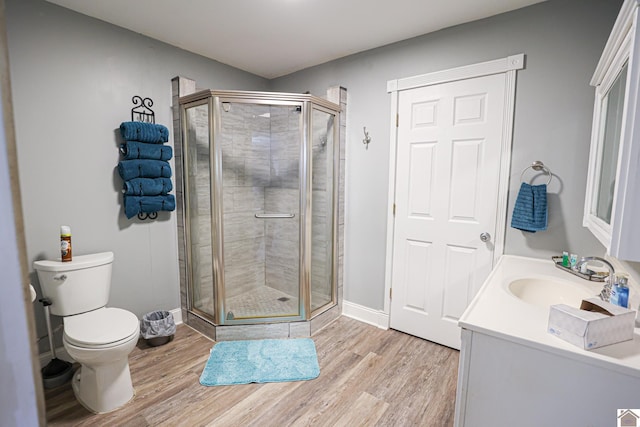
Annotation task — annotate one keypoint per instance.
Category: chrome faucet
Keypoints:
(605, 294)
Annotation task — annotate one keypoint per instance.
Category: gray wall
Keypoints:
(72, 80)
(562, 41)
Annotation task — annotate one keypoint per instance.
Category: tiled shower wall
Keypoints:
(245, 173)
(322, 146)
(260, 162)
(283, 196)
(200, 206)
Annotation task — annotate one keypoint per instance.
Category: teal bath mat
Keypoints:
(261, 361)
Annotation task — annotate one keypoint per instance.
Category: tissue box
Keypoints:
(595, 324)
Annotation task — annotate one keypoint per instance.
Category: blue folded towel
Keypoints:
(530, 210)
(133, 205)
(130, 169)
(147, 186)
(144, 132)
(143, 150)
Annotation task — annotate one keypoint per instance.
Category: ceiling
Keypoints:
(272, 38)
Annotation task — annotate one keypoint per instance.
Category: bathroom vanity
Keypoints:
(513, 372)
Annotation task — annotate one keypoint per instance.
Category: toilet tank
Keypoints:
(76, 286)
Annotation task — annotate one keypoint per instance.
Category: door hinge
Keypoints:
(390, 293)
(394, 209)
(397, 119)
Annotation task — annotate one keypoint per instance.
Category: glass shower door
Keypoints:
(260, 149)
(322, 211)
(198, 199)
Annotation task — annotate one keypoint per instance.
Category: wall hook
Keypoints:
(367, 138)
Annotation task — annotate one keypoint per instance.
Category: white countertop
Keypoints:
(496, 312)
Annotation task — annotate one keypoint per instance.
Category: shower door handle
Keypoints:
(274, 216)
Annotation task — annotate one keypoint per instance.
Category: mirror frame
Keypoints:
(600, 228)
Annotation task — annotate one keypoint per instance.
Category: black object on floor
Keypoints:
(57, 372)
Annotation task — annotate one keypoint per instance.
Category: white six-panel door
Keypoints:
(449, 142)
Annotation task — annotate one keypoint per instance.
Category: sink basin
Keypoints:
(546, 292)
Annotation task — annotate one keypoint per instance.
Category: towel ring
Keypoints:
(537, 166)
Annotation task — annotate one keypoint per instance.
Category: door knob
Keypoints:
(485, 237)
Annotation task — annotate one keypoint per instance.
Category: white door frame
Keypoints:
(509, 66)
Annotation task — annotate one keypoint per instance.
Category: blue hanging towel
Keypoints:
(133, 205)
(144, 132)
(130, 169)
(147, 186)
(132, 150)
(530, 210)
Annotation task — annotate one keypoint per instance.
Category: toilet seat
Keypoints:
(104, 327)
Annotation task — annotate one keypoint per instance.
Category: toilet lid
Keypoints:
(100, 327)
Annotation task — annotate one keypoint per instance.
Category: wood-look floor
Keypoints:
(368, 377)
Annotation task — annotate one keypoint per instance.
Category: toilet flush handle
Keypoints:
(61, 277)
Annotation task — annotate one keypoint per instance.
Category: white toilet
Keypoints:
(97, 337)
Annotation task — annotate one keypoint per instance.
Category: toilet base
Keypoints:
(103, 391)
(103, 382)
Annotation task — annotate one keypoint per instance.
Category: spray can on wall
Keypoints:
(65, 243)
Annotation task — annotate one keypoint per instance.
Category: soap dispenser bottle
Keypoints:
(622, 289)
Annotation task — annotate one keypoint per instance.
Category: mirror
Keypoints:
(611, 125)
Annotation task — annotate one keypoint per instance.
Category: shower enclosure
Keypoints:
(260, 205)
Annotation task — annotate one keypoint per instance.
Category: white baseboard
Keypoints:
(365, 314)
(177, 315)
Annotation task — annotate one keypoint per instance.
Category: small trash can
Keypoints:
(157, 327)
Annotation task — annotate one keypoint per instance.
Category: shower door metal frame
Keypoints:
(257, 98)
(184, 106)
(215, 99)
(335, 162)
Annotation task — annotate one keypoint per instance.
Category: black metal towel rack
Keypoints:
(142, 112)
